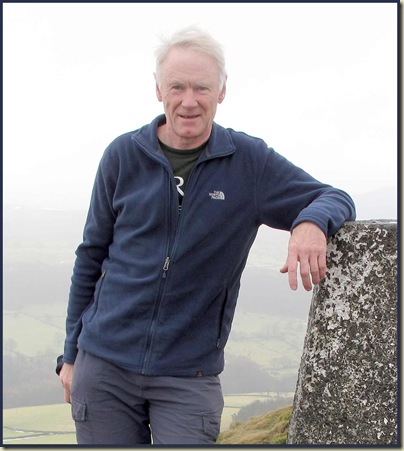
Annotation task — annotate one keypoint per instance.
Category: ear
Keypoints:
(158, 92)
(222, 94)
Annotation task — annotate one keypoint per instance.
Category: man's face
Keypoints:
(190, 91)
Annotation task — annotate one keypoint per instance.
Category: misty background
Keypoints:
(316, 81)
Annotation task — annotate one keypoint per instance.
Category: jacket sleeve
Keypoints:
(287, 196)
(92, 252)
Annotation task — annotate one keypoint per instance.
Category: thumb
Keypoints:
(284, 268)
(68, 395)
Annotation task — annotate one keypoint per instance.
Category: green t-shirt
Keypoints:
(182, 162)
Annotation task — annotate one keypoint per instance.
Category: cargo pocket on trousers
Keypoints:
(211, 426)
(79, 410)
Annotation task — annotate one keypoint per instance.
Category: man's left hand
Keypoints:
(307, 249)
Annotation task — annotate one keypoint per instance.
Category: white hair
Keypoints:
(194, 38)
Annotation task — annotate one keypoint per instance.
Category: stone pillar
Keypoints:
(347, 385)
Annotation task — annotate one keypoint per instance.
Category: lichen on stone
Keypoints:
(347, 386)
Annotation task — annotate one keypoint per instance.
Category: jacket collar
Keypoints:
(220, 142)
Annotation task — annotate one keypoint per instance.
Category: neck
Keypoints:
(179, 142)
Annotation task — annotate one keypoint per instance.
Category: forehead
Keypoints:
(189, 63)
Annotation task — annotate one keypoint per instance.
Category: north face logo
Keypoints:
(218, 195)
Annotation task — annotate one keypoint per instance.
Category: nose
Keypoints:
(189, 99)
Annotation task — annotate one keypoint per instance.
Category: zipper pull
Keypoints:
(165, 267)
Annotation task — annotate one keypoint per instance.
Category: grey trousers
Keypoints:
(112, 406)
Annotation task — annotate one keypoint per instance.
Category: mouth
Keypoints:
(189, 116)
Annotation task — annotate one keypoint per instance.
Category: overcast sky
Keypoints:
(316, 81)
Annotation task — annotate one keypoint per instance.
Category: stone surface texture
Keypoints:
(347, 385)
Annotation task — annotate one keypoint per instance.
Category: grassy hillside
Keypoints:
(233, 404)
(270, 428)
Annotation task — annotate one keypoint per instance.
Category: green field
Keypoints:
(44, 425)
(34, 330)
(266, 340)
(53, 425)
(37, 262)
(270, 341)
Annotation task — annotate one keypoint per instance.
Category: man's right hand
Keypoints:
(66, 377)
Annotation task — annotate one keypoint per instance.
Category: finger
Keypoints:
(292, 274)
(291, 265)
(314, 270)
(67, 395)
(66, 388)
(322, 265)
(318, 268)
(305, 269)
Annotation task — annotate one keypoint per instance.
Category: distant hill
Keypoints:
(378, 204)
(39, 246)
(44, 232)
(38, 257)
(268, 329)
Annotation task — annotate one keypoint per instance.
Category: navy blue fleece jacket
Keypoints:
(154, 291)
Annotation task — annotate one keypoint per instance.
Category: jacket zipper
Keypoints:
(152, 329)
(166, 265)
(151, 332)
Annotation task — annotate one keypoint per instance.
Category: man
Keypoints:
(175, 208)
